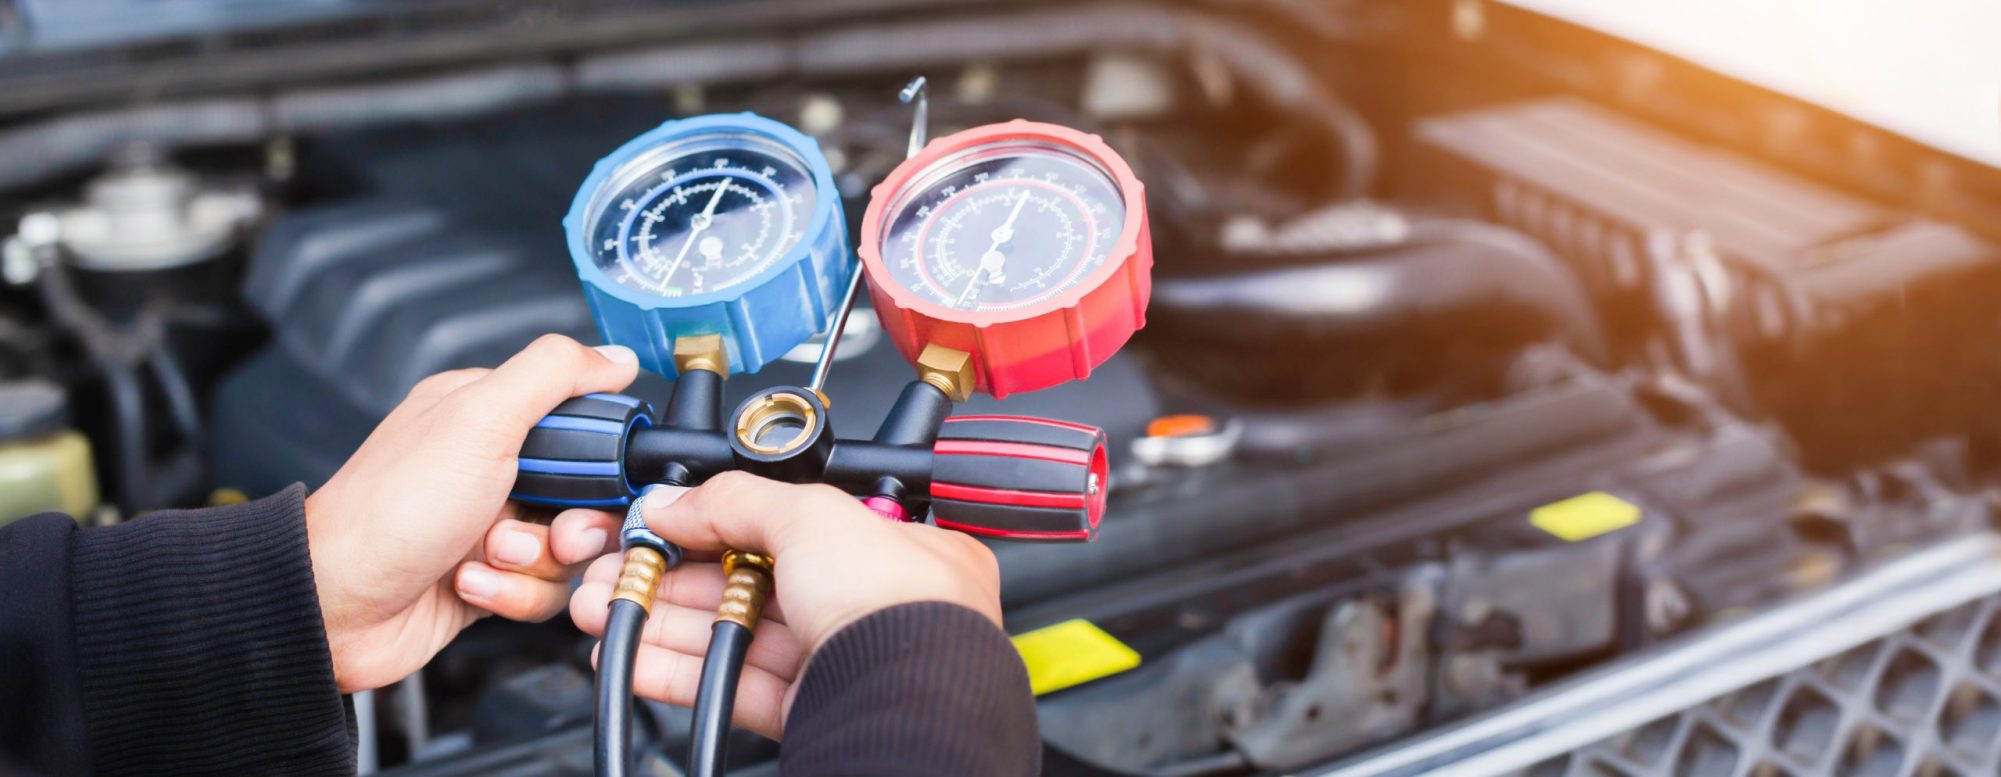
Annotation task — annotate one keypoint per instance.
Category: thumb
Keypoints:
(518, 393)
(745, 512)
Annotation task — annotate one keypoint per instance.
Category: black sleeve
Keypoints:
(183, 642)
(918, 690)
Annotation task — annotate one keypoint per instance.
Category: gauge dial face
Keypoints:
(1002, 226)
(701, 215)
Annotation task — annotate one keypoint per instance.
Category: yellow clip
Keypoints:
(1071, 653)
(1585, 516)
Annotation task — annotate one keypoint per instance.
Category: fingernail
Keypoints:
(659, 498)
(618, 353)
(593, 542)
(517, 548)
(476, 583)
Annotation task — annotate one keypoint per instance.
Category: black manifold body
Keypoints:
(1006, 477)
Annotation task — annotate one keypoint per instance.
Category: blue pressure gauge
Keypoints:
(726, 224)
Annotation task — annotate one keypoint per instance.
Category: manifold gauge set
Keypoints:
(1005, 258)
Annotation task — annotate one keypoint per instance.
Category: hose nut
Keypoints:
(748, 584)
(639, 579)
(634, 533)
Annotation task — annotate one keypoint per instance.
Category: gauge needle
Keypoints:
(695, 226)
(1005, 231)
(993, 261)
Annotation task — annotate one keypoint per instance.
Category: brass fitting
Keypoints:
(780, 407)
(747, 584)
(701, 352)
(639, 579)
(950, 370)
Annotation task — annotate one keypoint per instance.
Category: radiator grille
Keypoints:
(1923, 701)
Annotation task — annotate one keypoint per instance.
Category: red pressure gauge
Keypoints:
(1023, 244)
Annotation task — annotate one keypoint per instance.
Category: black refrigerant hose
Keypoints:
(715, 699)
(613, 733)
(747, 584)
(638, 582)
(111, 352)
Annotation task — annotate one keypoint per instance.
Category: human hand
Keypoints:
(414, 538)
(834, 561)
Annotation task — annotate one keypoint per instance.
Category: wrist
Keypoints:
(319, 548)
(325, 545)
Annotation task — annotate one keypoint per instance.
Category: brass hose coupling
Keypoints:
(747, 583)
(639, 579)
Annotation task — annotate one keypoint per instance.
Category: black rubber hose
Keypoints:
(613, 735)
(182, 405)
(715, 699)
(151, 335)
(109, 350)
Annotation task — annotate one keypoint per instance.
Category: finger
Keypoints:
(577, 536)
(509, 511)
(520, 546)
(746, 512)
(422, 397)
(672, 676)
(527, 386)
(428, 391)
(605, 570)
(509, 595)
(699, 586)
(773, 648)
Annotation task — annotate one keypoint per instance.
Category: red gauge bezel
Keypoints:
(1065, 314)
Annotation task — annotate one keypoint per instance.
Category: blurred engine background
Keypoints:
(1485, 348)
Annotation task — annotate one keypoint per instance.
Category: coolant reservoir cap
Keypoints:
(31, 408)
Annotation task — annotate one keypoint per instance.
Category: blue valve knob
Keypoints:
(575, 456)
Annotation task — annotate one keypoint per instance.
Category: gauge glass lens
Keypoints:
(701, 214)
(1002, 226)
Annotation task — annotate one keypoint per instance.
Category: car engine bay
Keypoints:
(1484, 349)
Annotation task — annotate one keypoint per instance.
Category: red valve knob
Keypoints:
(1019, 478)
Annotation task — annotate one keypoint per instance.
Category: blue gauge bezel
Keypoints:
(760, 317)
(800, 143)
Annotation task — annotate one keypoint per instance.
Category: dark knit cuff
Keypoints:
(201, 646)
(915, 690)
